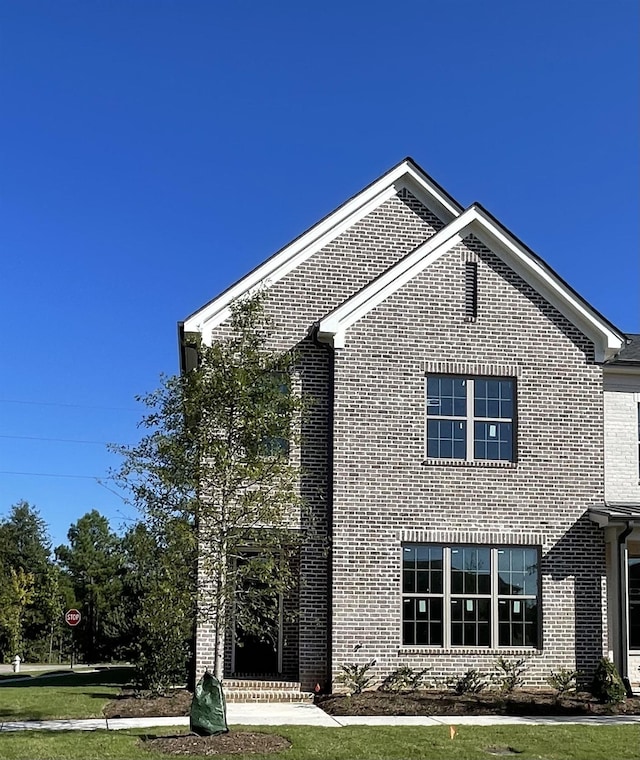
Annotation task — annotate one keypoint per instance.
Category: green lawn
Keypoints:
(68, 695)
(354, 743)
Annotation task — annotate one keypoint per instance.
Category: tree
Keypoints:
(15, 597)
(94, 564)
(29, 600)
(158, 606)
(24, 540)
(216, 459)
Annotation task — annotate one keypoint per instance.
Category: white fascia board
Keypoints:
(474, 220)
(607, 341)
(291, 256)
(427, 193)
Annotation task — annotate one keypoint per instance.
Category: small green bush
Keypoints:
(508, 675)
(403, 679)
(356, 678)
(607, 686)
(563, 681)
(471, 682)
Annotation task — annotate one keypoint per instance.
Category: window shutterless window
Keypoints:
(470, 596)
(470, 418)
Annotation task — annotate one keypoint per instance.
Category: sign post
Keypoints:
(72, 617)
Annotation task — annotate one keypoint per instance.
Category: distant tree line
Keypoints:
(120, 584)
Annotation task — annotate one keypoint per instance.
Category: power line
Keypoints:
(60, 440)
(73, 406)
(50, 475)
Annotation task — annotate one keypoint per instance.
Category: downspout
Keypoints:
(622, 601)
(192, 675)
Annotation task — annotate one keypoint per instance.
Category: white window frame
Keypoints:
(470, 419)
(494, 598)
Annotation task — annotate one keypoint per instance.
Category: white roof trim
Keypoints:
(405, 175)
(475, 221)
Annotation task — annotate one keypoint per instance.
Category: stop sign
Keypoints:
(72, 617)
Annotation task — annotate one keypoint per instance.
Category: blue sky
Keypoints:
(152, 152)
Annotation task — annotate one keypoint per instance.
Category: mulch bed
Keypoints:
(235, 742)
(131, 704)
(433, 702)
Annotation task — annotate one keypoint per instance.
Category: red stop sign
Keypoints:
(72, 617)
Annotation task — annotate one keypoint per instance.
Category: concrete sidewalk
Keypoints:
(292, 714)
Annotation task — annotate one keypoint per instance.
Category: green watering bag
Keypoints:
(208, 715)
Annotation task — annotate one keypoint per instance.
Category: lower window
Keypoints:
(470, 596)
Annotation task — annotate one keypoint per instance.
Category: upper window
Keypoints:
(470, 418)
(470, 596)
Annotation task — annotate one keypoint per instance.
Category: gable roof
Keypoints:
(459, 223)
(406, 174)
(475, 220)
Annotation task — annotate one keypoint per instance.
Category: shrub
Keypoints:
(403, 679)
(471, 682)
(607, 686)
(509, 674)
(356, 678)
(563, 681)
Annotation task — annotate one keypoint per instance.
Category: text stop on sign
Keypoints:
(72, 617)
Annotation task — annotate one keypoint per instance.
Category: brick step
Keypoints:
(255, 684)
(265, 695)
(264, 689)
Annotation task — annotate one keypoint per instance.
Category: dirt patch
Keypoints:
(432, 702)
(130, 704)
(235, 742)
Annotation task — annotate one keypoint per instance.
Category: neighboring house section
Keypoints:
(622, 494)
(453, 453)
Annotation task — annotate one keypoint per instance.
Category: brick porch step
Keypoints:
(249, 690)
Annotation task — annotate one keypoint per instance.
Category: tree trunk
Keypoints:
(220, 610)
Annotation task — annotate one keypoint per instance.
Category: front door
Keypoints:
(257, 622)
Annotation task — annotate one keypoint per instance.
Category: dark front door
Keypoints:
(255, 656)
(257, 623)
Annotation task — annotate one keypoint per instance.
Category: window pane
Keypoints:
(408, 582)
(422, 569)
(446, 439)
(408, 634)
(446, 396)
(518, 622)
(422, 621)
(493, 440)
(517, 571)
(471, 622)
(493, 398)
(470, 570)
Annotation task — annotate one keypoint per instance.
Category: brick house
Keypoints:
(453, 455)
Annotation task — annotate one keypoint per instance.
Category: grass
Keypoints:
(354, 743)
(65, 695)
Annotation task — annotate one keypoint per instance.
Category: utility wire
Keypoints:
(60, 440)
(74, 406)
(49, 475)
